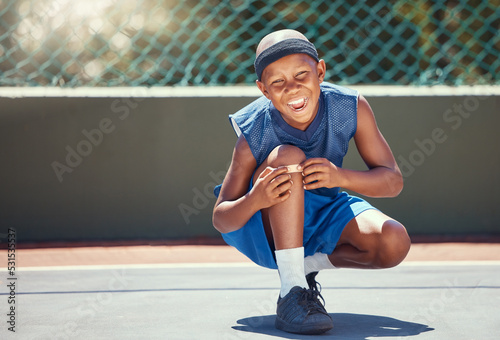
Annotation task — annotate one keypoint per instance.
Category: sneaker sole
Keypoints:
(316, 329)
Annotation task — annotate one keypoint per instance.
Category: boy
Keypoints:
(280, 203)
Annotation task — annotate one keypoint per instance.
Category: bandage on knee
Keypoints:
(293, 168)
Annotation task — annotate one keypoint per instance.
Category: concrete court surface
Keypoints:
(416, 300)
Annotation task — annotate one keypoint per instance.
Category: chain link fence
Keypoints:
(71, 43)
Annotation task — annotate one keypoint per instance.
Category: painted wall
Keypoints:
(123, 169)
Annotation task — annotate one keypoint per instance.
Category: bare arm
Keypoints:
(235, 205)
(383, 177)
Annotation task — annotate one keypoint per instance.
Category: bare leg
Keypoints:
(284, 222)
(371, 240)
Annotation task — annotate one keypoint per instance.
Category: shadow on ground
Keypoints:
(346, 326)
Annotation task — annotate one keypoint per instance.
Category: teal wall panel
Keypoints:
(86, 169)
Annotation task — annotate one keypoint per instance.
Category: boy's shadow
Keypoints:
(346, 326)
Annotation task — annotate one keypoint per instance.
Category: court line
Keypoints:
(228, 265)
(146, 290)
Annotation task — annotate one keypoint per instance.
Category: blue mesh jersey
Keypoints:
(326, 211)
(328, 135)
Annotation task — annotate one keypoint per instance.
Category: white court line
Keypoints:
(230, 265)
(237, 91)
(136, 266)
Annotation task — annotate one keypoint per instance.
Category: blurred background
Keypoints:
(113, 113)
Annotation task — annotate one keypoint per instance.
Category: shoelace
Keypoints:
(309, 298)
(316, 287)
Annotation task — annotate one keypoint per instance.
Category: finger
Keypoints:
(278, 176)
(270, 173)
(284, 196)
(266, 172)
(311, 186)
(317, 176)
(315, 166)
(303, 165)
(280, 191)
(273, 172)
(281, 170)
(277, 191)
(284, 187)
(312, 169)
(313, 181)
(310, 161)
(280, 179)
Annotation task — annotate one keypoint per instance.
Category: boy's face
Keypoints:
(292, 83)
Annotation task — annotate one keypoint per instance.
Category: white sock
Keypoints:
(291, 269)
(317, 262)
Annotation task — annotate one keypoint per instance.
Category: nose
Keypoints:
(292, 86)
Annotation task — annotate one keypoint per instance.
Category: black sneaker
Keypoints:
(301, 312)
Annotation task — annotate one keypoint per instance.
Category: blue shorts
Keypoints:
(324, 220)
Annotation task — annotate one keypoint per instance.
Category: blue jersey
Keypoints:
(326, 211)
(327, 136)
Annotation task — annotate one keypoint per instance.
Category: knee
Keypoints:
(285, 155)
(394, 245)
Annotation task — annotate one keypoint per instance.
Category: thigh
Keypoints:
(371, 240)
(369, 229)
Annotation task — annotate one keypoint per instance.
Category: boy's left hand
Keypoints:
(319, 173)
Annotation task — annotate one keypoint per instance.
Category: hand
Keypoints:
(319, 173)
(272, 187)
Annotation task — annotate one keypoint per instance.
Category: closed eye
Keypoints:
(301, 73)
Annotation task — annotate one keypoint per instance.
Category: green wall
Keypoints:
(125, 169)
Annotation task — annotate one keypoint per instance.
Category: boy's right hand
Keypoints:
(272, 187)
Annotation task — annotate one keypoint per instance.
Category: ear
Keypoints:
(321, 69)
(262, 88)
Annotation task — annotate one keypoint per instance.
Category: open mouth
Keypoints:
(299, 104)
